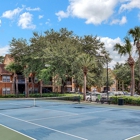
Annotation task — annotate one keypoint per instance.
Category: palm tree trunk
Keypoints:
(84, 96)
(32, 82)
(53, 85)
(139, 73)
(13, 84)
(132, 80)
(17, 85)
(26, 88)
(116, 85)
(122, 85)
(41, 88)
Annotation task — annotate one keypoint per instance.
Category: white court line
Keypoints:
(44, 127)
(17, 132)
(69, 115)
(132, 137)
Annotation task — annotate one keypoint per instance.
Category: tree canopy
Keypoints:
(60, 51)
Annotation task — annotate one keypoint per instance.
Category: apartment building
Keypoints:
(5, 80)
(9, 85)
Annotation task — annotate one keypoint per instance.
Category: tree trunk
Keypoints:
(139, 73)
(84, 96)
(138, 48)
(26, 88)
(32, 82)
(17, 85)
(119, 85)
(116, 85)
(131, 63)
(55, 88)
(132, 81)
(122, 85)
(63, 86)
(41, 88)
(13, 85)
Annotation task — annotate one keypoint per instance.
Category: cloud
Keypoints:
(4, 50)
(130, 5)
(40, 16)
(48, 22)
(11, 13)
(139, 16)
(109, 44)
(33, 9)
(121, 22)
(62, 14)
(25, 21)
(93, 11)
(0, 23)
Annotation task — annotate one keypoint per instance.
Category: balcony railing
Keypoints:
(21, 81)
(68, 82)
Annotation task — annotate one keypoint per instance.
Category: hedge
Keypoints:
(128, 100)
(37, 95)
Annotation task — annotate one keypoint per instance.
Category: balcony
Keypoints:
(68, 82)
(21, 81)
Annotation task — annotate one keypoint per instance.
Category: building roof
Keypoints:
(3, 71)
(8, 59)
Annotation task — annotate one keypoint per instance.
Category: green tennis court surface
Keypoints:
(134, 138)
(42, 119)
(9, 134)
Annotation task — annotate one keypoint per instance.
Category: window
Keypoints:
(68, 89)
(29, 79)
(5, 90)
(35, 80)
(113, 89)
(69, 81)
(36, 90)
(6, 78)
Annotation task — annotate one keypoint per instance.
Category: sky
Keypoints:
(110, 20)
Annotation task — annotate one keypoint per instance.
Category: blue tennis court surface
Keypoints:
(57, 120)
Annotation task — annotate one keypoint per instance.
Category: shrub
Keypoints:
(131, 100)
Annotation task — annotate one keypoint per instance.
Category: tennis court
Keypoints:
(60, 120)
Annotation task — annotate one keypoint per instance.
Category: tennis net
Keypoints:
(17, 103)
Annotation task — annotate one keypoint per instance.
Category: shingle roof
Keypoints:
(3, 71)
(8, 59)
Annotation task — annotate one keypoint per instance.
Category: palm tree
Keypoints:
(135, 33)
(86, 63)
(124, 50)
(13, 67)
